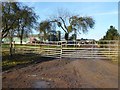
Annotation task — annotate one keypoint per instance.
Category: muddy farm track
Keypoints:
(80, 73)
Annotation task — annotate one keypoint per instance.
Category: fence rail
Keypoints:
(107, 49)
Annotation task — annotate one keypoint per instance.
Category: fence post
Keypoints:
(76, 49)
(92, 48)
(118, 49)
(109, 48)
(61, 51)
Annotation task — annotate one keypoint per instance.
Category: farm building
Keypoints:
(26, 40)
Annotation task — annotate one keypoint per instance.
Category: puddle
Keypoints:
(41, 84)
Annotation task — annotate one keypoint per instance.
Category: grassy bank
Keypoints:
(19, 59)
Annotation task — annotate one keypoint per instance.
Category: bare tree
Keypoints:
(72, 23)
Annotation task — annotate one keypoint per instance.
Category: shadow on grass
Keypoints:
(22, 60)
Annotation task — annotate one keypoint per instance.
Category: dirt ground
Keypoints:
(64, 73)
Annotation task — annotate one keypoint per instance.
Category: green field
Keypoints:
(21, 58)
(18, 59)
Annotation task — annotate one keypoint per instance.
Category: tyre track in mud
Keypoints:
(79, 73)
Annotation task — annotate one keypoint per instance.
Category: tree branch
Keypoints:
(64, 23)
(60, 25)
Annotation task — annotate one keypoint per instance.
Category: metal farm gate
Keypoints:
(105, 49)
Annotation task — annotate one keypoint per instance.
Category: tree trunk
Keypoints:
(75, 35)
(21, 40)
(11, 46)
(21, 37)
(67, 36)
